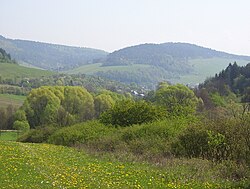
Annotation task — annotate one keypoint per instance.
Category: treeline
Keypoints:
(5, 57)
(231, 84)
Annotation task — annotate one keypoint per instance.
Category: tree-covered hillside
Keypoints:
(167, 55)
(5, 57)
(50, 56)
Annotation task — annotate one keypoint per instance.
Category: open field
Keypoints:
(9, 99)
(93, 68)
(205, 68)
(8, 135)
(26, 165)
(12, 71)
(202, 69)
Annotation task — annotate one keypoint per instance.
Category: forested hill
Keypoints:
(234, 78)
(49, 56)
(5, 57)
(165, 54)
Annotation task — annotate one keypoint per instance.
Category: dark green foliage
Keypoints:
(129, 112)
(5, 58)
(233, 79)
(192, 143)
(38, 135)
(7, 117)
(220, 139)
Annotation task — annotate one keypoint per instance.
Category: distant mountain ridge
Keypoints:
(144, 64)
(50, 56)
(164, 53)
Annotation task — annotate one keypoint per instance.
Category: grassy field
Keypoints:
(205, 68)
(202, 69)
(8, 99)
(8, 135)
(24, 165)
(92, 68)
(16, 71)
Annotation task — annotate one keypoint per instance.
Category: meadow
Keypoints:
(25, 165)
(206, 68)
(8, 135)
(9, 99)
(12, 71)
(93, 68)
(202, 69)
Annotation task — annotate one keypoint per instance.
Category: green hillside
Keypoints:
(148, 64)
(26, 165)
(49, 56)
(206, 68)
(12, 71)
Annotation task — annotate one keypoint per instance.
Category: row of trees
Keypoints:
(68, 105)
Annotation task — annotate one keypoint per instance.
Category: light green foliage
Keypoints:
(20, 115)
(217, 99)
(58, 105)
(78, 101)
(129, 112)
(41, 106)
(21, 125)
(102, 103)
(178, 99)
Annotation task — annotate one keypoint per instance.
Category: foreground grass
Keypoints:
(25, 165)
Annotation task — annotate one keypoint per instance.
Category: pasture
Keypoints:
(24, 165)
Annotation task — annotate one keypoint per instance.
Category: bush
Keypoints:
(129, 112)
(79, 133)
(193, 142)
(39, 135)
(220, 139)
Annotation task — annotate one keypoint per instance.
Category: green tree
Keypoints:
(177, 99)
(102, 103)
(78, 102)
(21, 125)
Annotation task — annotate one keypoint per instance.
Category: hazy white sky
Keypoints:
(113, 24)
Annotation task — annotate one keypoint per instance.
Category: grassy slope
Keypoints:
(92, 68)
(26, 165)
(13, 70)
(203, 68)
(8, 99)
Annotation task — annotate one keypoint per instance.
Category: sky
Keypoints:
(114, 24)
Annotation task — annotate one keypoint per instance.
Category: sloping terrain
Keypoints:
(149, 64)
(49, 56)
(26, 165)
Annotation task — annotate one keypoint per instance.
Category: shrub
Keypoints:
(38, 135)
(79, 133)
(129, 112)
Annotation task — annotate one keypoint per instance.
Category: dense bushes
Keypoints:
(221, 139)
(38, 135)
(80, 133)
(129, 112)
(149, 139)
